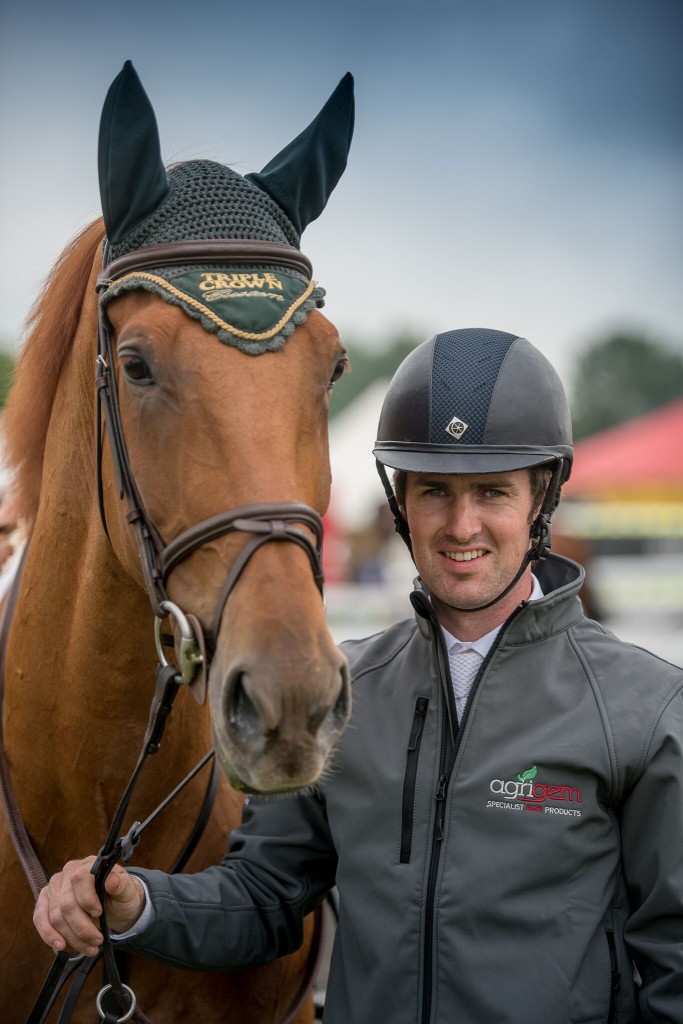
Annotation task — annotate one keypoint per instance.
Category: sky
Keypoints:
(516, 163)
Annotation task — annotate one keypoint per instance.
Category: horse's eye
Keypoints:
(137, 370)
(338, 371)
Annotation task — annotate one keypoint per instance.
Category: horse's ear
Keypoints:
(133, 180)
(302, 176)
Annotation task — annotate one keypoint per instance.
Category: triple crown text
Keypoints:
(212, 282)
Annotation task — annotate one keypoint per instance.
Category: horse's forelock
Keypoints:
(51, 327)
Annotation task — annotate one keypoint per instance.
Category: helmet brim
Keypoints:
(475, 459)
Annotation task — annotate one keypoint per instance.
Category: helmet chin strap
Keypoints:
(531, 556)
(400, 524)
(540, 532)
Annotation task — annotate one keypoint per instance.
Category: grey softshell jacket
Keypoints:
(523, 866)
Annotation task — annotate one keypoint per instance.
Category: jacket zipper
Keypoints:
(446, 765)
(440, 797)
(615, 978)
(409, 779)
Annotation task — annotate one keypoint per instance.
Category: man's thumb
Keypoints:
(116, 883)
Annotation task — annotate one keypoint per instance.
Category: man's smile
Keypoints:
(464, 556)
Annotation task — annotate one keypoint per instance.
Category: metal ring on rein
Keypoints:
(129, 1013)
(190, 656)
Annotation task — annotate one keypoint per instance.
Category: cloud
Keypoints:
(515, 164)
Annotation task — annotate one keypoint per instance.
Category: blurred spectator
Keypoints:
(368, 548)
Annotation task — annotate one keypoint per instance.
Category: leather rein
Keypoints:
(263, 522)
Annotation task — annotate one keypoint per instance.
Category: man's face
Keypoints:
(470, 533)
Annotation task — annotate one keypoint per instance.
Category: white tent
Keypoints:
(357, 491)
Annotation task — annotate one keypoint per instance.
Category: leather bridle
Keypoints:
(262, 522)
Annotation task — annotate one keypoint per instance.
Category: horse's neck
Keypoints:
(79, 681)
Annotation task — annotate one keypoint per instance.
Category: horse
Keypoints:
(215, 417)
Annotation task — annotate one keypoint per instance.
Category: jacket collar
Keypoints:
(561, 580)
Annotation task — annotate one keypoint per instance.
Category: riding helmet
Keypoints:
(475, 401)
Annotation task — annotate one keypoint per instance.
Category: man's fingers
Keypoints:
(78, 888)
(42, 922)
(67, 910)
(74, 917)
(63, 928)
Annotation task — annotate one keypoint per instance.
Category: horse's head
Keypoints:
(215, 371)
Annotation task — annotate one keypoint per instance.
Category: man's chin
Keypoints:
(462, 599)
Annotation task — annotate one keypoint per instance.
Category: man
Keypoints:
(504, 815)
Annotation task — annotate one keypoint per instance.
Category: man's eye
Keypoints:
(137, 370)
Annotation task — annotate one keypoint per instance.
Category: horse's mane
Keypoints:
(51, 326)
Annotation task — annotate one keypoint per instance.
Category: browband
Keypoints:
(237, 251)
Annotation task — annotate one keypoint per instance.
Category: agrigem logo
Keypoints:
(524, 792)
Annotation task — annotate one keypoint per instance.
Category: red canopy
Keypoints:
(641, 458)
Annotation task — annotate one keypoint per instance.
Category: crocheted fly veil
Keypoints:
(252, 307)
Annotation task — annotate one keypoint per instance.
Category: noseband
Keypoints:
(264, 522)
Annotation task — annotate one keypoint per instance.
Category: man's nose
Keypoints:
(464, 520)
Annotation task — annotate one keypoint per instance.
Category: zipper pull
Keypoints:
(418, 721)
(440, 797)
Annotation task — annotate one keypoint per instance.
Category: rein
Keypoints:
(262, 523)
(30, 861)
(65, 966)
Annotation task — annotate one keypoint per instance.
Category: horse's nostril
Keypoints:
(241, 713)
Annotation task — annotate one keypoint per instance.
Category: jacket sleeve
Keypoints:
(652, 837)
(249, 909)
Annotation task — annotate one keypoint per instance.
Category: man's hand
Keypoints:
(68, 908)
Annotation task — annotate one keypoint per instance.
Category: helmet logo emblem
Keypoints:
(456, 428)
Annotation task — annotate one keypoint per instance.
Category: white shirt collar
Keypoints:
(483, 645)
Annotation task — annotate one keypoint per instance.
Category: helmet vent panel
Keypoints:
(465, 369)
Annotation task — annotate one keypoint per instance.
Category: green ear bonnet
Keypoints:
(253, 308)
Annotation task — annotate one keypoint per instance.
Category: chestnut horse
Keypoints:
(208, 427)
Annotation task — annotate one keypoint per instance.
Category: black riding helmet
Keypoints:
(477, 401)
